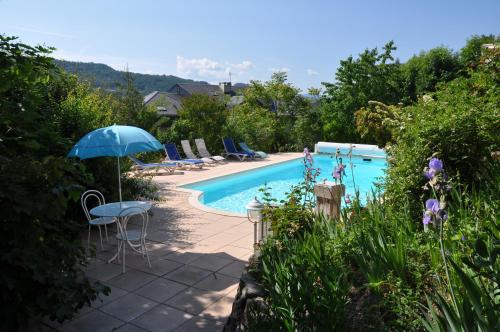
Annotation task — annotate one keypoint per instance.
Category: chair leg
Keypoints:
(100, 237)
(147, 254)
(88, 242)
(106, 231)
(123, 263)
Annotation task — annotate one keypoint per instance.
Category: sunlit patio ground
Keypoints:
(196, 257)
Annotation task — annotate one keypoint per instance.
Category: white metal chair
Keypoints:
(136, 238)
(101, 221)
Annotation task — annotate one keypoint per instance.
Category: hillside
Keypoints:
(101, 75)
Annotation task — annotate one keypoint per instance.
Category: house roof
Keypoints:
(197, 88)
(172, 105)
(150, 96)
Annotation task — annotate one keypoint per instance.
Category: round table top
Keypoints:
(114, 209)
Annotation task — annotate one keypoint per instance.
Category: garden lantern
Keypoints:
(254, 215)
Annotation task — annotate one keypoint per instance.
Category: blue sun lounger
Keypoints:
(231, 150)
(247, 149)
(170, 167)
(174, 156)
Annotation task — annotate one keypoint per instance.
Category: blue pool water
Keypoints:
(232, 193)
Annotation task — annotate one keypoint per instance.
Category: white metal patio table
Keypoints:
(115, 209)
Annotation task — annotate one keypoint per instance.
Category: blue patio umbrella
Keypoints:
(115, 141)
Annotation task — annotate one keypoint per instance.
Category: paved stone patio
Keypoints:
(197, 258)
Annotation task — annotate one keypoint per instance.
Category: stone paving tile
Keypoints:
(223, 239)
(128, 307)
(162, 318)
(135, 260)
(183, 256)
(161, 289)
(236, 252)
(93, 262)
(244, 242)
(241, 229)
(220, 309)
(217, 282)
(103, 300)
(204, 247)
(104, 272)
(188, 275)
(201, 324)
(234, 269)
(160, 267)
(212, 262)
(94, 321)
(158, 249)
(84, 310)
(130, 328)
(131, 280)
(193, 300)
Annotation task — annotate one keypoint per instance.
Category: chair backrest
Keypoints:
(187, 149)
(229, 145)
(136, 161)
(95, 194)
(126, 214)
(171, 151)
(202, 148)
(245, 147)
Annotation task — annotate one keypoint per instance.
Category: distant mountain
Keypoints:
(103, 76)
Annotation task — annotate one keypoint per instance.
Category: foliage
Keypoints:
(373, 76)
(385, 266)
(131, 109)
(460, 124)
(378, 122)
(421, 73)
(42, 256)
(255, 126)
(472, 53)
(200, 116)
(306, 290)
(273, 116)
(102, 76)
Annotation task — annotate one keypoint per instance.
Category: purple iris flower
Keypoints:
(430, 173)
(432, 205)
(348, 199)
(306, 151)
(336, 173)
(436, 165)
(427, 218)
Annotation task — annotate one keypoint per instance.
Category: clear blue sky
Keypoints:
(207, 39)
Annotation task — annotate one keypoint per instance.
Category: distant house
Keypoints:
(168, 103)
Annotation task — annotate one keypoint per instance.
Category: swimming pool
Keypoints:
(231, 193)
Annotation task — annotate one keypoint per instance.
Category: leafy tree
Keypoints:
(373, 75)
(268, 114)
(471, 53)
(460, 124)
(42, 256)
(256, 126)
(132, 110)
(423, 72)
(200, 116)
(84, 109)
(378, 122)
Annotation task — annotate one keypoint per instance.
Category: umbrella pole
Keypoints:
(119, 180)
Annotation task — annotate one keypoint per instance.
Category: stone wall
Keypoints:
(250, 296)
